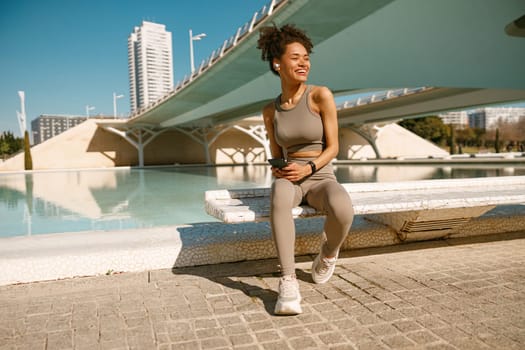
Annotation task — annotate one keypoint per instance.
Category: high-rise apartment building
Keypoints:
(150, 64)
(47, 126)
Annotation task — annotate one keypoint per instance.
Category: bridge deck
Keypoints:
(359, 45)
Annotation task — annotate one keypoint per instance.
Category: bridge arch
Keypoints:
(368, 133)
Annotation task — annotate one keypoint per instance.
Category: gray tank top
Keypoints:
(298, 129)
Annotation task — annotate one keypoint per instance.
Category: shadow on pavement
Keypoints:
(249, 277)
(258, 279)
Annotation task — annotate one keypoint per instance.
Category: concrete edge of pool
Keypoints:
(68, 255)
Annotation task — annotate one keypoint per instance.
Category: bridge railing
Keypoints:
(217, 54)
(381, 96)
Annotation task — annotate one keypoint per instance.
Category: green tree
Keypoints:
(17, 144)
(479, 134)
(496, 141)
(430, 128)
(4, 147)
(9, 144)
(28, 160)
(452, 142)
(466, 137)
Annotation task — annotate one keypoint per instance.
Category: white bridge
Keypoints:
(463, 53)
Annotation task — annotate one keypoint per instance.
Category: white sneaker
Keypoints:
(289, 300)
(323, 268)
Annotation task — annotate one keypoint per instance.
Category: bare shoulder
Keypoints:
(321, 94)
(269, 111)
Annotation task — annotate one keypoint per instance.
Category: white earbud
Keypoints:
(276, 66)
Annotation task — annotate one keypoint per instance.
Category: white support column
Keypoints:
(140, 149)
(368, 134)
(207, 153)
(207, 136)
(142, 136)
(258, 132)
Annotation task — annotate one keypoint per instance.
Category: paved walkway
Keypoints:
(455, 294)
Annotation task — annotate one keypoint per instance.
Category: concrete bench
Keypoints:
(416, 210)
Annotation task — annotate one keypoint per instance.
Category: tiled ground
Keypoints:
(454, 294)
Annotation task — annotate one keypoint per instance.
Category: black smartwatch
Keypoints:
(312, 165)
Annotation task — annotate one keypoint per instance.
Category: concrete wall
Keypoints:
(84, 146)
(172, 147)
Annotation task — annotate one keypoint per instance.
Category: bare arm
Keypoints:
(275, 149)
(268, 114)
(323, 102)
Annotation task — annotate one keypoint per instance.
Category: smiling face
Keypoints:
(294, 63)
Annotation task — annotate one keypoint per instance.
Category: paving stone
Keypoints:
(241, 339)
(214, 343)
(398, 341)
(383, 329)
(293, 332)
(209, 333)
(60, 340)
(422, 337)
(85, 336)
(267, 336)
(316, 328)
(261, 325)
(190, 345)
(368, 319)
(406, 325)
(248, 347)
(372, 345)
(255, 316)
(304, 343)
(332, 338)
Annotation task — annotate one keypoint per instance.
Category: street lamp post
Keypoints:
(22, 115)
(115, 98)
(192, 38)
(89, 108)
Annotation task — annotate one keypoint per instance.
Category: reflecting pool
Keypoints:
(111, 199)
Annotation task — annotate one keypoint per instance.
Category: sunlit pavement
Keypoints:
(447, 294)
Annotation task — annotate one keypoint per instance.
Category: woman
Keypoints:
(302, 128)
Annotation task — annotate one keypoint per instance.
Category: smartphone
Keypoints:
(278, 162)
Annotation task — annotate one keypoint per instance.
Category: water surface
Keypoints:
(110, 199)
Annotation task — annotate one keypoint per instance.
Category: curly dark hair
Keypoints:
(273, 40)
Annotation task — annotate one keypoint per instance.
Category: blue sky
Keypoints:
(66, 54)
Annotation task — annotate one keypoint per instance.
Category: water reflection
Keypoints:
(389, 173)
(71, 201)
(371, 173)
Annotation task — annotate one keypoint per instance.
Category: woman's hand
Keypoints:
(293, 172)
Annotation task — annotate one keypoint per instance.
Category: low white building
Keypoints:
(459, 119)
(488, 118)
(483, 118)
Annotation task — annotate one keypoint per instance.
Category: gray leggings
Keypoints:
(322, 192)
